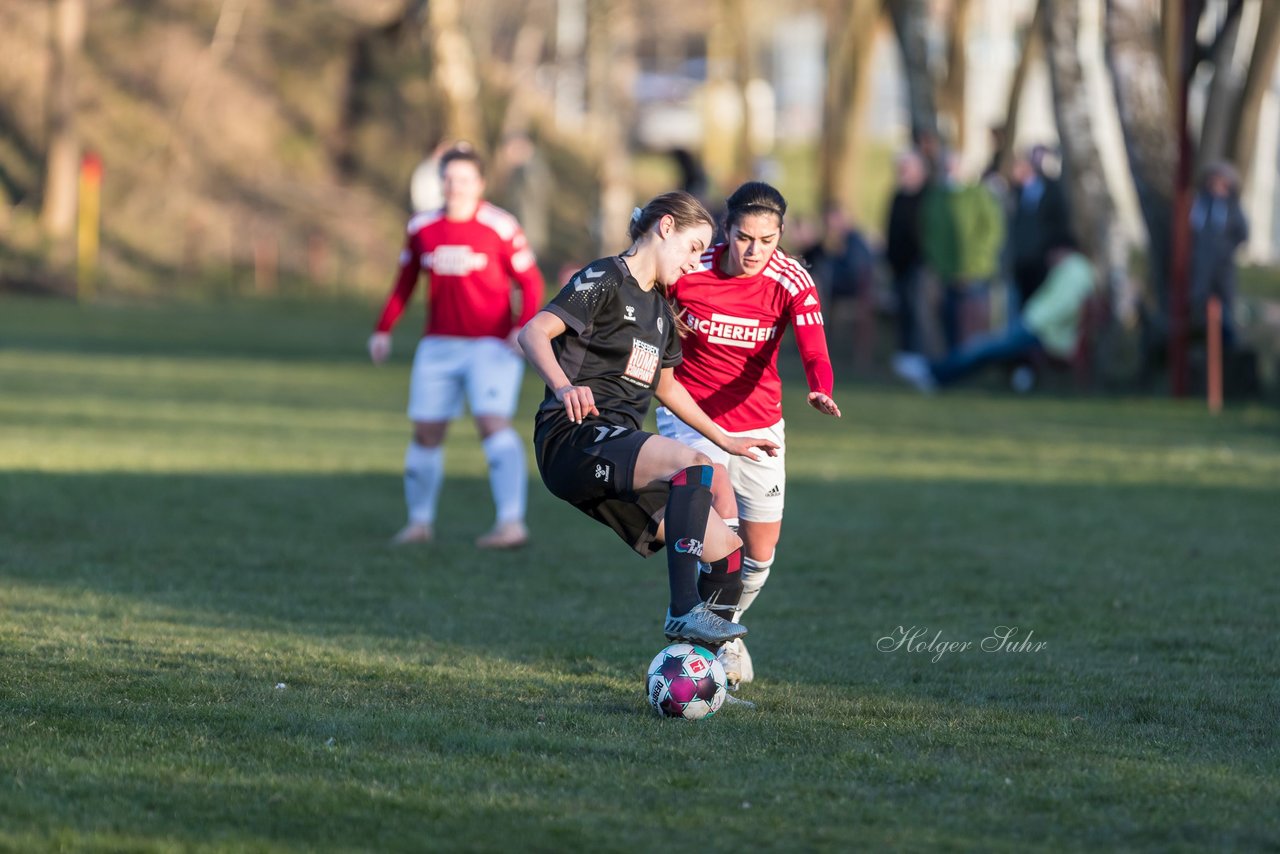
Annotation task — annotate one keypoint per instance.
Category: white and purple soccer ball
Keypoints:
(685, 681)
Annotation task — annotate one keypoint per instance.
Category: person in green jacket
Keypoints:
(1050, 322)
(962, 231)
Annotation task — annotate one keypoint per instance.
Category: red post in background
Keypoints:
(88, 226)
(1180, 272)
(1213, 320)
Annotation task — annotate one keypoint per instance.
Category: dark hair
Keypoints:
(464, 152)
(686, 210)
(754, 198)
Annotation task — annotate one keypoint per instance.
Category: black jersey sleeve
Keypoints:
(586, 293)
(671, 354)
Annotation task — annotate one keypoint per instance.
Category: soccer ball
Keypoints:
(685, 681)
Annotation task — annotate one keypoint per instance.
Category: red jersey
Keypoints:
(731, 359)
(471, 263)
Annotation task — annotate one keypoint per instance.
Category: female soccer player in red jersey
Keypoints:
(737, 304)
(472, 251)
(606, 345)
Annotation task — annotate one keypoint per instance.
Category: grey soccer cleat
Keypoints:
(702, 626)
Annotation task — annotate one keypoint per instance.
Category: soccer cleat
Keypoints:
(1023, 379)
(414, 532)
(508, 535)
(747, 671)
(731, 661)
(702, 626)
(736, 662)
(915, 369)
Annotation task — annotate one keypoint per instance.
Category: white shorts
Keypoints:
(759, 484)
(446, 368)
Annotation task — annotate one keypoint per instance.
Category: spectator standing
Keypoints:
(962, 231)
(902, 250)
(1038, 219)
(1218, 227)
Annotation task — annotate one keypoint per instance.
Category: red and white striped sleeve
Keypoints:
(806, 316)
(517, 259)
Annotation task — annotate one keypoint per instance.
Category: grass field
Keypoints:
(205, 642)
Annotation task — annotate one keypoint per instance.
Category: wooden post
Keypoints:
(88, 226)
(1213, 320)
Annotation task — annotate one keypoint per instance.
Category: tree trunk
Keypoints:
(910, 19)
(851, 32)
(1092, 207)
(1029, 48)
(1151, 135)
(1266, 47)
(373, 35)
(62, 163)
(611, 69)
(454, 71)
(1222, 105)
(951, 91)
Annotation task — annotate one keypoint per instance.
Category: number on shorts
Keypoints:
(603, 433)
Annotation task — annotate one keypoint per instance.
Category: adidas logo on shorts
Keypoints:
(773, 493)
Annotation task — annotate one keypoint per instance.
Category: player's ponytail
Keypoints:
(754, 198)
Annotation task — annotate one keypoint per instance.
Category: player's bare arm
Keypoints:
(535, 340)
(674, 396)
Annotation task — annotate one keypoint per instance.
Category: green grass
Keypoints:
(1260, 282)
(194, 506)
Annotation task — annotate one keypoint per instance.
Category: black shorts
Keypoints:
(591, 465)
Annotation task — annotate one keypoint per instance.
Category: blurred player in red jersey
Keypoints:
(737, 304)
(472, 251)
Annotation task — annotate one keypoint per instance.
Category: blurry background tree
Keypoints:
(236, 131)
(852, 27)
(62, 156)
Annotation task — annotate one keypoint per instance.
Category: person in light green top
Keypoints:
(961, 233)
(1050, 323)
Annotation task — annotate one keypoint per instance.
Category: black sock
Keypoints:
(688, 507)
(721, 582)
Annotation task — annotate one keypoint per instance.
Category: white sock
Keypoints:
(732, 523)
(508, 476)
(423, 474)
(754, 574)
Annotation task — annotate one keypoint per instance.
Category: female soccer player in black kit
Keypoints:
(605, 346)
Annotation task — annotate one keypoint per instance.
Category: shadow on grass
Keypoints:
(1102, 574)
(155, 614)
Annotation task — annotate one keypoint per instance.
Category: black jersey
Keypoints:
(619, 338)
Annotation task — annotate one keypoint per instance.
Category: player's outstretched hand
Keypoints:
(578, 402)
(379, 347)
(747, 446)
(823, 403)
